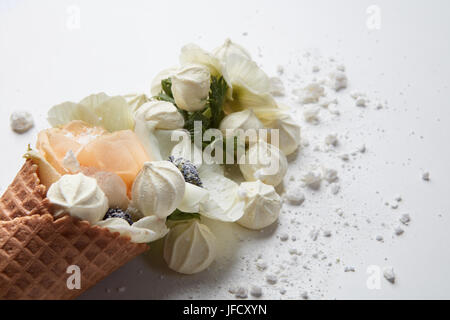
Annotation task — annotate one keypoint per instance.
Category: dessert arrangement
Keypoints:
(114, 173)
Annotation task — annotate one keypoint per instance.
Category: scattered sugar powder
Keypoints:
(311, 93)
(389, 274)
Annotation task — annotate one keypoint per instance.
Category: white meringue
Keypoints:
(264, 162)
(161, 115)
(190, 87)
(80, 196)
(147, 229)
(244, 120)
(262, 205)
(158, 189)
(190, 247)
(289, 133)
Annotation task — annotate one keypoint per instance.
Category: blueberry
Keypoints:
(118, 213)
(188, 169)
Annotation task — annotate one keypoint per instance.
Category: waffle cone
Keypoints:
(36, 249)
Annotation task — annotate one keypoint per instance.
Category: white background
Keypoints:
(119, 46)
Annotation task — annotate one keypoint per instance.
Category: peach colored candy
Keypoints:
(54, 143)
(119, 152)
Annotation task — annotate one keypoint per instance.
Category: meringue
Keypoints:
(190, 247)
(244, 120)
(80, 196)
(160, 114)
(262, 205)
(147, 229)
(264, 162)
(190, 87)
(289, 133)
(158, 189)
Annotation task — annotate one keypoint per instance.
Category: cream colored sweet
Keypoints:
(244, 120)
(190, 247)
(80, 196)
(190, 87)
(289, 133)
(145, 230)
(264, 162)
(160, 115)
(158, 189)
(112, 185)
(262, 205)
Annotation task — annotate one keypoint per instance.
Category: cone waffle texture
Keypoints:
(36, 249)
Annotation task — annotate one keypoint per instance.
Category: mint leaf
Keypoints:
(178, 215)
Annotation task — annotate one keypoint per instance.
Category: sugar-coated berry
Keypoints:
(118, 213)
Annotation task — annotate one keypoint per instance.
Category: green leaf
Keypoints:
(210, 116)
(166, 85)
(178, 215)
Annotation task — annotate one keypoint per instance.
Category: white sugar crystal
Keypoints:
(314, 234)
(304, 295)
(405, 219)
(21, 121)
(284, 237)
(349, 269)
(341, 67)
(379, 238)
(70, 162)
(327, 233)
(338, 80)
(356, 94)
(344, 157)
(280, 70)
(398, 231)
(331, 140)
(361, 102)
(335, 188)
(295, 196)
(311, 114)
(311, 93)
(362, 148)
(389, 274)
(398, 198)
(330, 175)
(256, 291)
(327, 103)
(276, 87)
(241, 292)
(426, 176)
(271, 279)
(261, 265)
(315, 69)
(312, 180)
(282, 291)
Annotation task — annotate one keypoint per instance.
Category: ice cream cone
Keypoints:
(36, 249)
